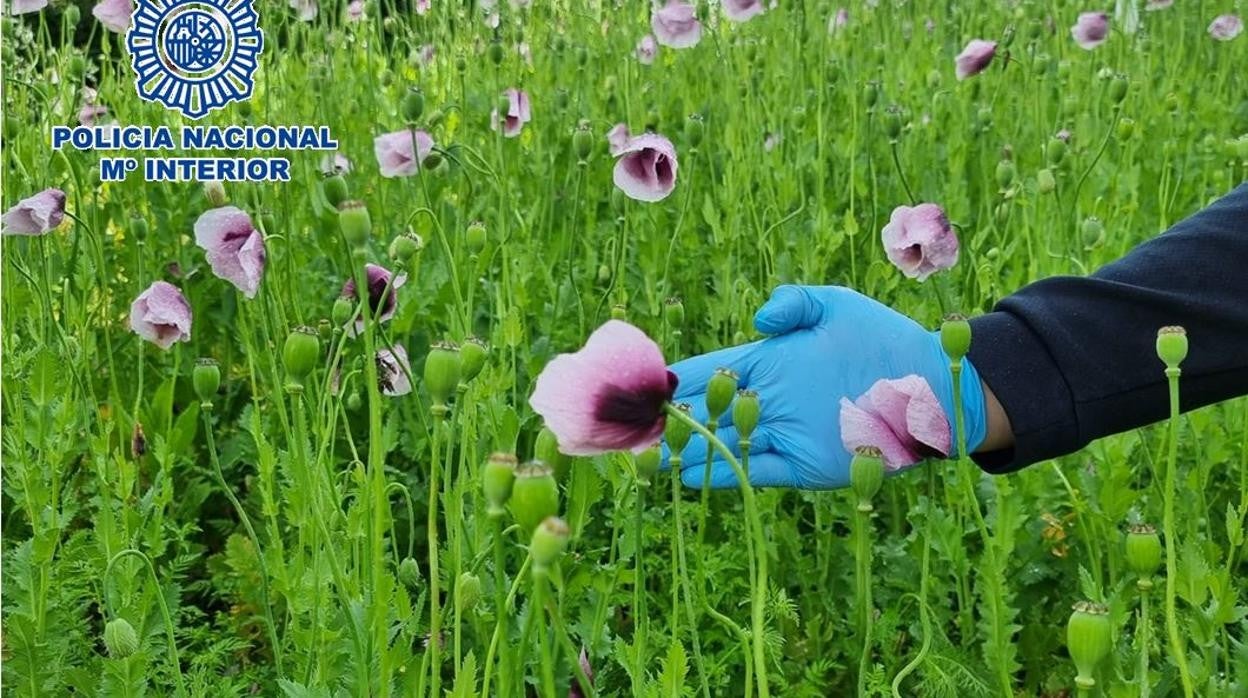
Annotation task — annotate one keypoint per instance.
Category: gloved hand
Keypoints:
(827, 342)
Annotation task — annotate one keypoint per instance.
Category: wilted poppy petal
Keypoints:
(114, 14)
(35, 215)
(161, 315)
(676, 25)
(396, 155)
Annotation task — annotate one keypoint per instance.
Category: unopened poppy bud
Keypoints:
(300, 354)
(674, 313)
(432, 161)
(647, 463)
(1118, 89)
(206, 377)
(548, 543)
(871, 93)
(984, 116)
(442, 373)
(745, 413)
(472, 355)
(534, 495)
(892, 121)
(582, 141)
(1088, 639)
(496, 55)
(406, 246)
(1172, 101)
(268, 223)
(955, 336)
(1045, 182)
(334, 187)
(1006, 172)
(355, 223)
(1126, 128)
(676, 432)
(342, 310)
(1007, 36)
(497, 478)
(475, 237)
(138, 441)
(412, 105)
(120, 639)
(467, 591)
(409, 573)
(1172, 345)
(214, 191)
(71, 15)
(1092, 231)
(354, 402)
(619, 312)
(720, 390)
(604, 273)
(1143, 549)
(866, 475)
(324, 329)
(695, 129)
(546, 450)
(138, 227)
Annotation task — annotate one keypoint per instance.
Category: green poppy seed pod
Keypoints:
(1006, 171)
(497, 478)
(138, 227)
(619, 312)
(1125, 128)
(546, 450)
(300, 354)
(467, 591)
(355, 223)
(412, 106)
(325, 329)
(892, 121)
(676, 432)
(461, 63)
(745, 413)
(405, 247)
(71, 15)
(354, 402)
(1172, 345)
(674, 312)
(1092, 230)
(866, 475)
(431, 162)
(955, 336)
(206, 377)
(534, 495)
(1143, 553)
(720, 390)
(1088, 639)
(1056, 152)
(871, 93)
(604, 273)
(120, 639)
(472, 355)
(475, 237)
(334, 187)
(442, 372)
(1172, 101)
(409, 573)
(214, 191)
(1045, 181)
(647, 463)
(550, 538)
(496, 53)
(582, 141)
(695, 129)
(1118, 89)
(340, 315)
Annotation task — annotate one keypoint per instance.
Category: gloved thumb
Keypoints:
(789, 308)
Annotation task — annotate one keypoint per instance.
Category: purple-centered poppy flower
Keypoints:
(975, 58)
(920, 241)
(355, 10)
(838, 21)
(396, 155)
(161, 315)
(618, 138)
(114, 14)
(742, 10)
(233, 246)
(21, 7)
(518, 113)
(1225, 27)
(379, 300)
(574, 688)
(676, 25)
(305, 9)
(901, 417)
(394, 372)
(35, 215)
(646, 170)
(1091, 30)
(335, 163)
(1154, 5)
(609, 396)
(646, 50)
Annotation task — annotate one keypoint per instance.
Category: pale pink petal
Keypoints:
(21, 7)
(422, 6)
(1226, 27)
(306, 9)
(861, 428)
(90, 112)
(920, 241)
(676, 25)
(114, 14)
(646, 50)
(1091, 30)
(355, 10)
(617, 139)
(394, 371)
(518, 113)
(646, 170)
(742, 10)
(838, 21)
(974, 58)
(335, 163)
(395, 154)
(35, 215)
(161, 315)
(233, 246)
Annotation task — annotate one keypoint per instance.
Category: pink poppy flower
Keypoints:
(335, 163)
(114, 14)
(1225, 27)
(379, 299)
(901, 417)
(21, 7)
(305, 9)
(574, 687)
(838, 21)
(422, 6)
(517, 113)
(742, 10)
(609, 396)
(395, 153)
(646, 170)
(394, 372)
(35, 215)
(355, 10)
(646, 50)
(90, 112)
(1154, 5)
(426, 54)
(920, 241)
(974, 58)
(676, 25)
(233, 246)
(1091, 30)
(161, 315)
(618, 138)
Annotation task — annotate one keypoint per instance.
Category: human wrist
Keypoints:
(999, 434)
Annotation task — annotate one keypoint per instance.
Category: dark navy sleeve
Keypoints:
(1072, 359)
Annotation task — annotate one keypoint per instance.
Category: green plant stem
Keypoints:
(500, 601)
(862, 557)
(924, 573)
(498, 628)
(1143, 686)
(1177, 646)
(540, 592)
(640, 620)
(435, 608)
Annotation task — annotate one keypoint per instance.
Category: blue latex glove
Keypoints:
(827, 342)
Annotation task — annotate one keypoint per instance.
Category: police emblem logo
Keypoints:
(194, 56)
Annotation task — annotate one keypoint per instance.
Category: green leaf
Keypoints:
(674, 669)
(466, 678)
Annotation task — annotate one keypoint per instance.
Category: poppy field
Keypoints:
(403, 425)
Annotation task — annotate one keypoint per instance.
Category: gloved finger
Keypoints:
(695, 452)
(789, 308)
(766, 470)
(693, 373)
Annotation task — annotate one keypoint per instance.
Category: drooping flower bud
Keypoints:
(720, 390)
(1143, 549)
(405, 247)
(546, 450)
(412, 105)
(647, 463)
(1056, 151)
(1045, 181)
(467, 591)
(534, 495)
(206, 377)
(138, 228)
(1006, 171)
(497, 478)
(72, 15)
(409, 573)
(120, 639)
(1088, 639)
(871, 93)
(355, 223)
(475, 237)
(1172, 345)
(674, 312)
(214, 191)
(1092, 231)
(955, 336)
(866, 475)
(340, 315)
(300, 354)
(550, 538)
(676, 432)
(745, 412)
(334, 187)
(1118, 89)
(472, 355)
(442, 373)
(1125, 128)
